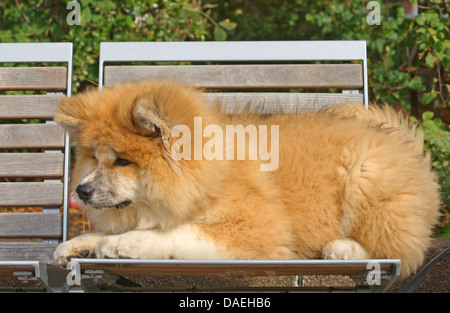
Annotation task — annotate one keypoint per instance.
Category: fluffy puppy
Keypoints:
(348, 182)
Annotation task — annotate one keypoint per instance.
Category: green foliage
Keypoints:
(128, 20)
(437, 143)
(407, 56)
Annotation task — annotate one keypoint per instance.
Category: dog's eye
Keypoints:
(122, 162)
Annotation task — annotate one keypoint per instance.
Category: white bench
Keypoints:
(235, 73)
(38, 178)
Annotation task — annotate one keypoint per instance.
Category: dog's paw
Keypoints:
(344, 249)
(78, 247)
(66, 251)
(112, 247)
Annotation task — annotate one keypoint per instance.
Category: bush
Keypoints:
(128, 20)
(437, 143)
(407, 57)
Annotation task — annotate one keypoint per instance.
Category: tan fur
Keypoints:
(344, 173)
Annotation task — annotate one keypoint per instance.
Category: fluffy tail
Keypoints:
(386, 119)
(393, 190)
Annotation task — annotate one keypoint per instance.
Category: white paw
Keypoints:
(344, 249)
(78, 247)
(65, 251)
(113, 247)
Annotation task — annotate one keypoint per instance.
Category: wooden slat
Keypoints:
(31, 136)
(33, 78)
(229, 268)
(30, 225)
(346, 76)
(28, 106)
(31, 194)
(9, 269)
(281, 102)
(23, 251)
(31, 165)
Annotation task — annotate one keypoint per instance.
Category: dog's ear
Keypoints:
(149, 122)
(70, 115)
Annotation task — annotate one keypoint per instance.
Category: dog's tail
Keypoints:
(385, 119)
(410, 208)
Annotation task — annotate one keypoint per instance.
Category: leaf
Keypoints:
(429, 60)
(187, 13)
(22, 38)
(5, 36)
(428, 97)
(430, 126)
(149, 20)
(416, 83)
(85, 15)
(428, 115)
(219, 34)
(420, 19)
(227, 25)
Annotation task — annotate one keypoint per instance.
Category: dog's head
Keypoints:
(122, 138)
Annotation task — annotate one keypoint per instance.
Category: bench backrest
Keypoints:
(269, 73)
(34, 157)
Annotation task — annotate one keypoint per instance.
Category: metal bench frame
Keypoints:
(51, 276)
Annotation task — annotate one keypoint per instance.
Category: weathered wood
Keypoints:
(28, 106)
(46, 165)
(26, 251)
(29, 225)
(231, 268)
(9, 269)
(33, 78)
(31, 194)
(31, 136)
(281, 102)
(283, 76)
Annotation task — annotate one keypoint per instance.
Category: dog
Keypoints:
(343, 183)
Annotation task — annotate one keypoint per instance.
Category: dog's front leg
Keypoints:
(79, 247)
(183, 242)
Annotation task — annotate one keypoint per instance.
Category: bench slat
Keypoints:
(8, 269)
(33, 78)
(283, 76)
(31, 136)
(28, 106)
(31, 194)
(31, 164)
(284, 102)
(29, 225)
(24, 251)
(228, 268)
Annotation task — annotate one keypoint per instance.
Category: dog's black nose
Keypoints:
(85, 191)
